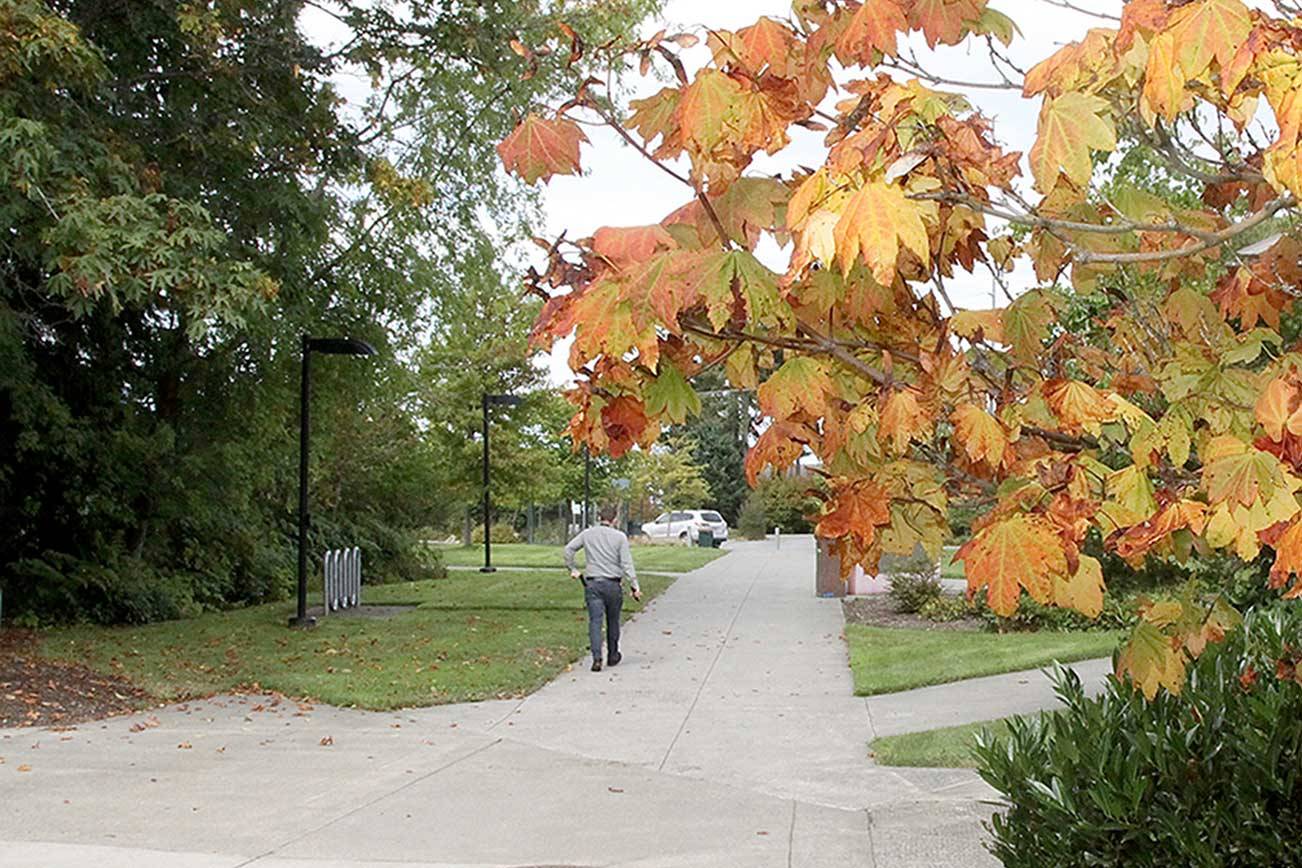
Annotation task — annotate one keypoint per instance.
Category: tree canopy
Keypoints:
(185, 189)
(1143, 385)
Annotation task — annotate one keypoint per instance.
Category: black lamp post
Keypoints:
(496, 401)
(332, 347)
(587, 485)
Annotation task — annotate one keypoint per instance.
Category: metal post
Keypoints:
(304, 406)
(488, 502)
(587, 484)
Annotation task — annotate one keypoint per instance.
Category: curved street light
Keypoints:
(329, 347)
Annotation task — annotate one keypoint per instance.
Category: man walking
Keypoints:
(609, 560)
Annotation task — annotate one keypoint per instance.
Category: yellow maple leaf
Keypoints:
(878, 221)
(1152, 660)
(1235, 472)
(1083, 590)
(800, 384)
(1208, 30)
(981, 436)
(1071, 126)
(979, 325)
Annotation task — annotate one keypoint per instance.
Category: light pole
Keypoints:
(497, 401)
(587, 483)
(330, 347)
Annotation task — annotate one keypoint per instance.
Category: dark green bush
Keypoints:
(1119, 612)
(915, 581)
(753, 522)
(1212, 777)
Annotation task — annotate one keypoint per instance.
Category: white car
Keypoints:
(685, 525)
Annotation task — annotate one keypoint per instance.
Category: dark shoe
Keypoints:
(596, 665)
(614, 659)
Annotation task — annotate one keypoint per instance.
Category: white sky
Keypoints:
(621, 188)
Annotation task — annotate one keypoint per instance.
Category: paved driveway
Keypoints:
(729, 736)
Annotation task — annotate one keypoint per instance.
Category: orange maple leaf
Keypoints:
(1079, 406)
(765, 46)
(1277, 407)
(1286, 539)
(624, 422)
(903, 420)
(944, 21)
(1021, 551)
(1180, 515)
(854, 509)
(873, 28)
(779, 446)
(540, 148)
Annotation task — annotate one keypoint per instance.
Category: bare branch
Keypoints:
(1215, 239)
(1067, 4)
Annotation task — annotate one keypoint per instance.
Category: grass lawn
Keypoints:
(473, 636)
(667, 558)
(950, 747)
(948, 568)
(887, 659)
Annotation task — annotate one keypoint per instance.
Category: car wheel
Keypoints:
(682, 537)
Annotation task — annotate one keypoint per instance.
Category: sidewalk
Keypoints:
(729, 736)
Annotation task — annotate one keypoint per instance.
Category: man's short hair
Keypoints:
(608, 513)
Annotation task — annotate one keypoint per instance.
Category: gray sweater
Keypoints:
(609, 556)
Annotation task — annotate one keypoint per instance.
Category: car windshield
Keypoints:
(711, 516)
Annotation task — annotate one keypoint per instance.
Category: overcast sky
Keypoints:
(620, 188)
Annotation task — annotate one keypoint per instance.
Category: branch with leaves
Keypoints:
(1136, 390)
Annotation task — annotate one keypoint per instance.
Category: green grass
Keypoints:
(887, 659)
(473, 636)
(665, 558)
(950, 747)
(948, 568)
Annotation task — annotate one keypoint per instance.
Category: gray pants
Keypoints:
(605, 599)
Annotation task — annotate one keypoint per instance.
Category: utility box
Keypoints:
(705, 539)
(827, 571)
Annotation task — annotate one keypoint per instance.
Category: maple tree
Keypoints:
(1170, 426)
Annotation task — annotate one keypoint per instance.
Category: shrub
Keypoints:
(1207, 778)
(753, 522)
(945, 607)
(502, 533)
(915, 581)
(1119, 612)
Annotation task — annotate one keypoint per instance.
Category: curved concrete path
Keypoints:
(729, 737)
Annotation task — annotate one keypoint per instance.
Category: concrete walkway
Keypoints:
(729, 736)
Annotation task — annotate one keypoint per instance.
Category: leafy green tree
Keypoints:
(718, 438)
(665, 477)
(184, 191)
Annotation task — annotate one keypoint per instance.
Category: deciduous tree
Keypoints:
(1172, 426)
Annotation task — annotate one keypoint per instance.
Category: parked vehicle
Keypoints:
(685, 525)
